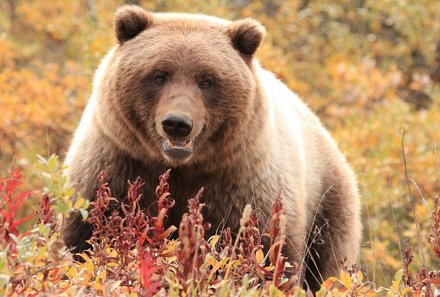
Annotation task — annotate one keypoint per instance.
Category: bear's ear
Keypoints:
(246, 35)
(130, 20)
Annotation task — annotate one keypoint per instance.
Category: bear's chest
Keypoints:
(224, 195)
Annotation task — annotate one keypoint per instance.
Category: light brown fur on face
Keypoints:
(184, 92)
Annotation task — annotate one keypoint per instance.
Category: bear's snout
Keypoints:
(177, 127)
(176, 145)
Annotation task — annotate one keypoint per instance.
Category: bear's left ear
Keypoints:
(130, 20)
(246, 35)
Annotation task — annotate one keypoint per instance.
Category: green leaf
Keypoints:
(52, 163)
(321, 292)
(61, 206)
(44, 230)
(84, 213)
(398, 276)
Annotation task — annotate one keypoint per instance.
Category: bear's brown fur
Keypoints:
(184, 91)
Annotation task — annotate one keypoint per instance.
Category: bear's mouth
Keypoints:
(178, 149)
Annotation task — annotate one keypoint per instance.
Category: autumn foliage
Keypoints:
(132, 252)
(369, 69)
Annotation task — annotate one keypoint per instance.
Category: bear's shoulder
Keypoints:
(281, 100)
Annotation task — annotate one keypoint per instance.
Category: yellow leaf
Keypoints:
(211, 260)
(69, 192)
(360, 276)
(213, 240)
(171, 246)
(397, 279)
(346, 280)
(275, 292)
(79, 202)
(99, 281)
(259, 256)
(328, 284)
(115, 285)
(321, 292)
(72, 272)
(112, 264)
(216, 267)
(406, 291)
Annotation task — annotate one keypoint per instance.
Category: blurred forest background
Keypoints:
(368, 68)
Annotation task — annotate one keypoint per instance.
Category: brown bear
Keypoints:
(185, 92)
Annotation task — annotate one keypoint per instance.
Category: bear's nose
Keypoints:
(177, 126)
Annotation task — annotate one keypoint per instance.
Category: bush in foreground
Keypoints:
(133, 253)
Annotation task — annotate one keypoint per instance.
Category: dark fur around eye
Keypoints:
(214, 96)
(161, 77)
(152, 84)
(206, 83)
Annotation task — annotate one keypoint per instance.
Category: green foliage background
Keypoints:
(368, 68)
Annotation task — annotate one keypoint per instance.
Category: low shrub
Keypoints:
(134, 253)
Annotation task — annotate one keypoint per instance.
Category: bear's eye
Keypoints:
(206, 83)
(161, 78)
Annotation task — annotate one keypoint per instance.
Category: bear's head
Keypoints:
(183, 85)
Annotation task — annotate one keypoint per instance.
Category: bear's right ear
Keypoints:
(131, 20)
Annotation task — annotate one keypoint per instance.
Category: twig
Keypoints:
(411, 196)
(28, 276)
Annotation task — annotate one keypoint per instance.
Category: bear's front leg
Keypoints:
(334, 238)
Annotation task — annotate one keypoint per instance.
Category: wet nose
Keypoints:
(177, 126)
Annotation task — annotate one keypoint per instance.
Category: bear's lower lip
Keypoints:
(178, 149)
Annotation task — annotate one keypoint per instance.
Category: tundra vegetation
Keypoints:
(370, 69)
